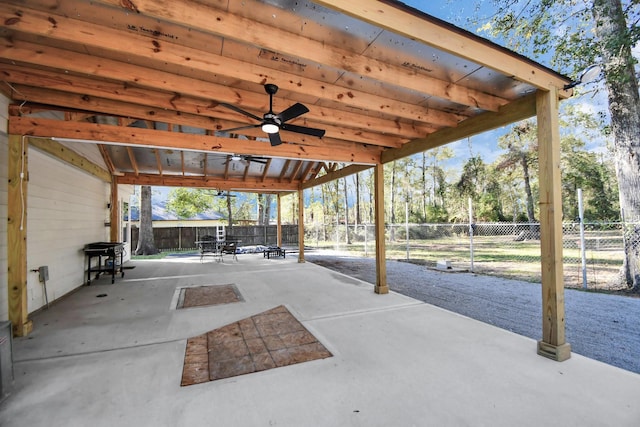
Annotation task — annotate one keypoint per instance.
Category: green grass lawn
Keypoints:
(498, 255)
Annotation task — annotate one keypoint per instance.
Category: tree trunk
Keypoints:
(260, 210)
(146, 242)
(267, 209)
(624, 106)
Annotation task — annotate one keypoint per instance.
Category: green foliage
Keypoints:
(560, 29)
(188, 202)
(436, 214)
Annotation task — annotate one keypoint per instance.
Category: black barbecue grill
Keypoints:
(109, 252)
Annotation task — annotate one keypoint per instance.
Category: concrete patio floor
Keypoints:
(117, 360)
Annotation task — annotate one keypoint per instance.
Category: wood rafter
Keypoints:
(82, 94)
(295, 171)
(375, 97)
(132, 159)
(74, 31)
(419, 27)
(284, 170)
(198, 182)
(156, 153)
(232, 26)
(266, 170)
(194, 142)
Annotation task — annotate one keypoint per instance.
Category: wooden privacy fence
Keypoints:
(184, 238)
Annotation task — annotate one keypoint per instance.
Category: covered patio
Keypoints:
(185, 105)
(117, 359)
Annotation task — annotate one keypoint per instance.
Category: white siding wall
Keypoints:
(4, 155)
(67, 208)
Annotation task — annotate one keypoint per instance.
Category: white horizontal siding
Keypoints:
(67, 209)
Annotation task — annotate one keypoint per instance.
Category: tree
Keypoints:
(189, 202)
(480, 182)
(146, 242)
(579, 34)
(585, 170)
(614, 40)
(522, 146)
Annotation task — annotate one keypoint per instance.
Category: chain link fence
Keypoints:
(592, 255)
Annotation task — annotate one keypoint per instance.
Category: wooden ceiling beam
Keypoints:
(163, 52)
(112, 98)
(142, 112)
(411, 23)
(207, 182)
(514, 112)
(89, 37)
(269, 36)
(334, 174)
(351, 153)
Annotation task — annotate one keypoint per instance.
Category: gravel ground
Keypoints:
(600, 326)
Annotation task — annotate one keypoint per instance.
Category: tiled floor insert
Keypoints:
(267, 340)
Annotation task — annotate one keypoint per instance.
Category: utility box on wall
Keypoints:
(6, 360)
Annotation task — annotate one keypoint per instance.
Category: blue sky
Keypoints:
(457, 12)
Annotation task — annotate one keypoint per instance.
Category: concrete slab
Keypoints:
(117, 360)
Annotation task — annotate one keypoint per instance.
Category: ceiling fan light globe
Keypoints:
(236, 158)
(270, 128)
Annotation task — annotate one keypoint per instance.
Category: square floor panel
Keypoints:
(202, 296)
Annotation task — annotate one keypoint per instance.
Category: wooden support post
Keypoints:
(553, 343)
(114, 213)
(279, 225)
(381, 262)
(300, 225)
(18, 177)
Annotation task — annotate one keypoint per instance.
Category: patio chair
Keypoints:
(208, 245)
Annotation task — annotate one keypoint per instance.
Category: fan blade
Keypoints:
(292, 112)
(241, 111)
(261, 160)
(303, 129)
(274, 138)
(240, 128)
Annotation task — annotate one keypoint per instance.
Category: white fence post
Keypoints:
(471, 231)
(366, 253)
(406, 225)
(583, 248)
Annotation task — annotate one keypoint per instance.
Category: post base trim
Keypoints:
(559, 353)
(23, 330)
(382, 289)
